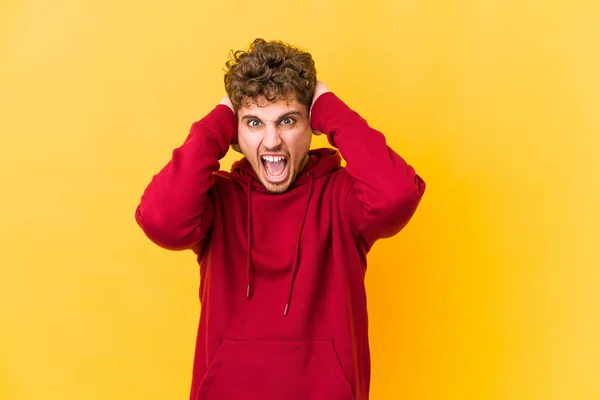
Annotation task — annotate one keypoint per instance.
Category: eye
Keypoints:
(254, 123)
(287, 121)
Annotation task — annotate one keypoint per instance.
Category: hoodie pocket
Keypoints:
(269, 370)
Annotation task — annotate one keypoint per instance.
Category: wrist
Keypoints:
(222, 122)
(326, 109)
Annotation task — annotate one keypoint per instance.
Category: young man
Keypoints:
(282, 239)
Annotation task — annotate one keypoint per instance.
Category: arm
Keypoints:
(383, 191)
(176, 210)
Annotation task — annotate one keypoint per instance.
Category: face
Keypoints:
(275, 138)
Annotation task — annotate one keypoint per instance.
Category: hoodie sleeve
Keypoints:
(176, 209)
(382, 191)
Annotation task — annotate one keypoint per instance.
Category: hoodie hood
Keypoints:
(321, 162)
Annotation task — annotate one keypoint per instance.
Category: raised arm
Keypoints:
(176, 210)
(383, 191)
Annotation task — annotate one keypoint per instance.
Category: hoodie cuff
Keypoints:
(326, 109)
(222, 121)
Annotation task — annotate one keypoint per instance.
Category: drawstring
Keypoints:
(249, 230)
(297, 257)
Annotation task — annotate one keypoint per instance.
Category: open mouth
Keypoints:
(275, 167)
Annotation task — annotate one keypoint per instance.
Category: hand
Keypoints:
(226, 101)
(320, 88)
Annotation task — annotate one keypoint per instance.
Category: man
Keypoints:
(282, 239)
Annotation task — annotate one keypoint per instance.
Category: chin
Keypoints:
(275, 188)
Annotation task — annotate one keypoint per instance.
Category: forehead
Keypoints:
(266, 110)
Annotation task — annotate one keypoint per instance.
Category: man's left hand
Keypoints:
(320, 88)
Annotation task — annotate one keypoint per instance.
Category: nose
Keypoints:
(272, 137)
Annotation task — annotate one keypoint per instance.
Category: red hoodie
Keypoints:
(283, 304)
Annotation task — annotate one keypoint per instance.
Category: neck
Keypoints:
(304, 162)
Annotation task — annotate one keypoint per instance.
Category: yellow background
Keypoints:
(492, 291)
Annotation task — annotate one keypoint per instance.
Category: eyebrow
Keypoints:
(282, 116)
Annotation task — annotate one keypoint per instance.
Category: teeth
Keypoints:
(273, 158)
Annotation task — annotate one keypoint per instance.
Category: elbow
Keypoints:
(164, 233)
(406, 199)
(416, 190)
(388, 210)
(401, 204)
